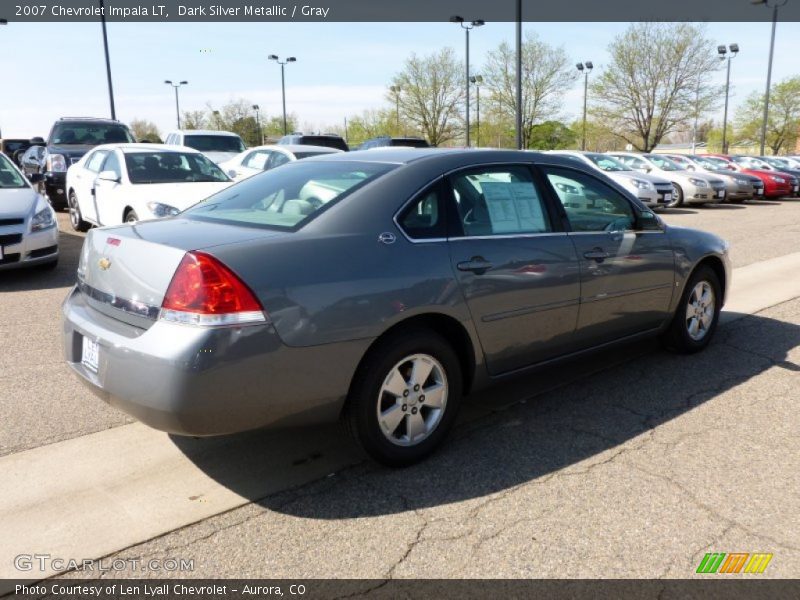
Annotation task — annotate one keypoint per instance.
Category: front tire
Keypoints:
(75, 216)
(678, 191)
(697, 315)
(405, 397)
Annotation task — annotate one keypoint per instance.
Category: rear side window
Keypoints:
(424, 217)
(288, 197)
(499, 201)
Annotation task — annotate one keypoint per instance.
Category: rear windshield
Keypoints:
(171, 167)
(299, 155)
(9, 176)
(410, 142)
(288, 197)
(89, 134)
(323, 140)
(214, 143)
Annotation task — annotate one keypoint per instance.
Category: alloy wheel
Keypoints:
(700, 311)
(412, 400)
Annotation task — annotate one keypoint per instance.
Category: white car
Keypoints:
(219, 146)
(28, 231)
(263, 158)
(124, 183)
(654, 191)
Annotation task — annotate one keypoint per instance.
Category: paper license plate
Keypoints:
(91, 354)
(721, 194)
(667, 197)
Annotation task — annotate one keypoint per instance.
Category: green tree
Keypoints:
(551, 135)
(783, 125)
(649, 87)
(144, 130)
(194, 119)
(545, 77)
(432, 94)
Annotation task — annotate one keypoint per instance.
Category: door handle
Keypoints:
(597, 254)
(477, 264)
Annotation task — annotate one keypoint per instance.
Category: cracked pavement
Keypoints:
(635, 471)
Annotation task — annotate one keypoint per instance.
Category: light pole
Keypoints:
(585, 68)
(477, 80)
(177, 104)
(467, 28)
(518, 115)
(256, 108)
(697, 116)
(396, 89)
(290, 59)
(216, 118)
(774, 4)
(108, 60)
(723, 55)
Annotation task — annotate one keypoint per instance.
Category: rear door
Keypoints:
(627, 272)
(516, 267)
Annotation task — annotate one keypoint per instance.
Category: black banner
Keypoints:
(395, 10)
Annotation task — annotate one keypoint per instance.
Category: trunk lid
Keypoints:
(125, 271)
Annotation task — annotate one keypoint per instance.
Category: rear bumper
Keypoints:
(207, 381)
(36, 248)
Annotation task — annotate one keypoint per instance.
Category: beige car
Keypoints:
(690, 187)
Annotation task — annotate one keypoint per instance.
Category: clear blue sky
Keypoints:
(51, 70)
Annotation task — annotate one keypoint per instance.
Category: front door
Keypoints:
(518, 273)
(627, 271)
(107, 193)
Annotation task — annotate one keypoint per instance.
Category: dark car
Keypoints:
(329, 140)
(385, 140)
(379, 287)
(70, 138)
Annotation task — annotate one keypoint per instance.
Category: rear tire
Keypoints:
(393, 380)
(697, 315)
(75, 216)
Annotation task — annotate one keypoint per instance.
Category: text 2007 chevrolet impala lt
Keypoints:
(378, 287)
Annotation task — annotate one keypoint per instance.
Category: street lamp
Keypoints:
(774, 5)
(216, 117)
(177, 105)
(290, 59)
(723, 55)
(256, 108)
(108, 60)
(585, 68)
(467, 27)
(477, 80)
(396, 89)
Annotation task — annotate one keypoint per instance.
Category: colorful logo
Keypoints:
(736, 562)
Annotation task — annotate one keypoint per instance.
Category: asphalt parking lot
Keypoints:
(583, 470)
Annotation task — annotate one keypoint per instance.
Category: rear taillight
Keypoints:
(203, 291)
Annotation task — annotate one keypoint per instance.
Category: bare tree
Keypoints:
(649, 88)
(143, 129)
(432, 92)
(545, 77)
(194, 119)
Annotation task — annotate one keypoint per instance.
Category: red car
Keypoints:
(776, 184)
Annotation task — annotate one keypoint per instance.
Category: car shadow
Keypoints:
(723, 206)
(514, 433)
(679, 211)
(763, 203)
(41, 278)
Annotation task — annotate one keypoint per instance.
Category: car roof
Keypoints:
(129, 148)
(403, 156)
(295, 148)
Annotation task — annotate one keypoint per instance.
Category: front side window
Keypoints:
(112, 164)
(9, 176)
(289, 197)
(665, 164)
(590, 204)
(171, 167)
(95, 161)
(499, 201)
(607, 163)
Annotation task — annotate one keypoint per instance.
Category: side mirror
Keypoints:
(108, 176)
(36, 177)
(232, 174)
(647, 220)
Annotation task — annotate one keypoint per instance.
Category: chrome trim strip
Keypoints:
(652, 288)
(518, 312)
(140, 309)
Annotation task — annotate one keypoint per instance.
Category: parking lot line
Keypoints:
(87, 497)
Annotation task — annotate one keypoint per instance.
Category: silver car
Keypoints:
(655, 192)
(28, 231)
(379, 287)
(690, 187)
(740, 186)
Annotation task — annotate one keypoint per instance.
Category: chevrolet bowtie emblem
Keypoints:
(104, 264)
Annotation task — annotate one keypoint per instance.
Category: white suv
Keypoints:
(219, 146)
